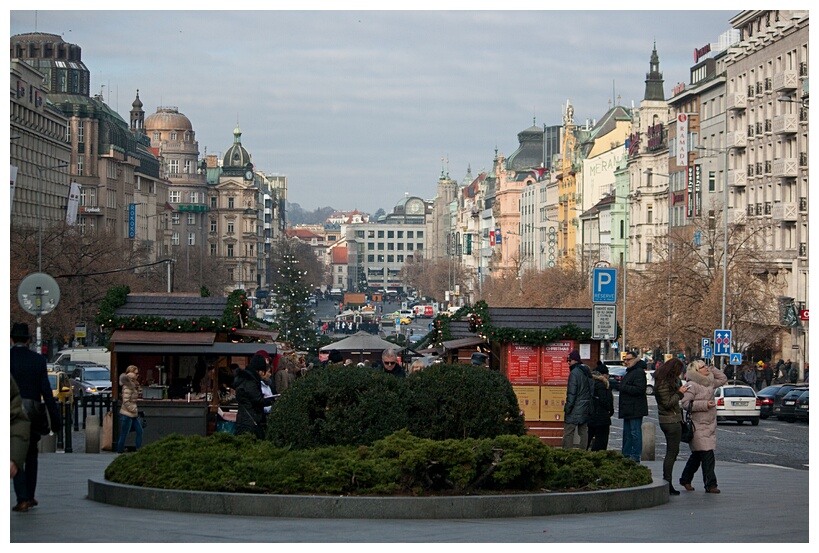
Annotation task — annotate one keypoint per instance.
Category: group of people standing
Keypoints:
(589, 407)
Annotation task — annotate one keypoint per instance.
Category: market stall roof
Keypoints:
(179, 305)
(527, 318)
(181, 343)
(361, 342)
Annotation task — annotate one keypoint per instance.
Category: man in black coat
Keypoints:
(30, 371)
(251, 419)
(633, 405)
(602, 409)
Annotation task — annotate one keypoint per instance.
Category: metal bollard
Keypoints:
(92, 434)
(67, 428)
(649, 440)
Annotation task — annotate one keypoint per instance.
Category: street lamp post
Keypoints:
(40, 170)
(649, 172)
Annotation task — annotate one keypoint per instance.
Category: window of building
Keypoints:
(213, 202)
(400, 245)
(410, 234)
(419, 246)
(381, 246)
(370, 233)
(400, 258)
(174, 196)
(419, 234)
(213, 225)
(230, 250)
(191, 218)
(80, 166)
(340, 280)
(381, 259)
(230, 203)
(80, 132)
(390, 246)
(409, 247)
(156, 136)
(173, 135)
(390, 259)
(370, 246)
(174, 238)
(370, 258)
(213, 249)
(173, 166)
(650, 212)
(230, 227)
(360, 234)
(188, 167)
(649, 252)
(230, 275)
(390, 234)
(381, 234)
(712, 181)
(194, 197)
(174, 218)
(400, 234)
(191, 239)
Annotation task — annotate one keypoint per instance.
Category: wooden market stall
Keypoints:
(539, 373)
(185, 374)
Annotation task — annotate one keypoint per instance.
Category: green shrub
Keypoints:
(400, 464)
(461, 401)
(337, 405)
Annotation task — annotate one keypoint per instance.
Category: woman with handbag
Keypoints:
(668, 391)
(128, 413)
(699, 400)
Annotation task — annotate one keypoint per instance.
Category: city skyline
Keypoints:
(359, 108)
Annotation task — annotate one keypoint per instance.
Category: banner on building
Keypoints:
(73, 204)
(131, 220)
(682, 139)
(13, 180)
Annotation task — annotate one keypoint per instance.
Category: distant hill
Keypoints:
(297, 216)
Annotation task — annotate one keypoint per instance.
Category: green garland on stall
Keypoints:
(234, 316)
(479, 323)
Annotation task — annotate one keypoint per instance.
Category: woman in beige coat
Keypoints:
(699, 400)
(128, 414)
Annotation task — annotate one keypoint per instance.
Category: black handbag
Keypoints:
(37, 416)
(688, 427)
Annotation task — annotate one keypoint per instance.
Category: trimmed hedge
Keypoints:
(400, 464)
(337, 405)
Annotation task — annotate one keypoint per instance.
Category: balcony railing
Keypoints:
(736, 139)
(736, 101)
(785, 167)
(785, 80)
(785, 211)
(785, 124)
(737, 178)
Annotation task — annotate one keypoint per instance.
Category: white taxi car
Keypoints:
(737, 403)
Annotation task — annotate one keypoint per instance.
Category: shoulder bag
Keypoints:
(688, 427)
(37, 416)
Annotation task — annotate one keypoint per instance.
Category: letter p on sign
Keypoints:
(604, 289)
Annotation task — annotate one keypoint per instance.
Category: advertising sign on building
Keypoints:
(522, 367)
(682, 139)
(554, 369)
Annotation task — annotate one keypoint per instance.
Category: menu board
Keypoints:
(554, 369)
(552, 401)
(529, 401)
(522, 366)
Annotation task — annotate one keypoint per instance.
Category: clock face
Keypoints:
(415, 207)
(248, 175)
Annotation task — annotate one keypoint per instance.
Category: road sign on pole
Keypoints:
(604, 322)
(722, 342)
(604, 285)
(735, 359)
(707, 352)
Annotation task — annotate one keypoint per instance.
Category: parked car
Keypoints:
(801, 411)
(405, 321)
(737, 403)
(787, 409)
(60, 386)
(784, 390)
(766, 396)
(90, 380)
(616, 374)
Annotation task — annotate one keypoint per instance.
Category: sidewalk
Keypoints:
(66, 516)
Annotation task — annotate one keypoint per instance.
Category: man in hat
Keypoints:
(479, 359)
(577, 409)
(30, 371)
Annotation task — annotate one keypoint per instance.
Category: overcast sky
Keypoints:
(358, 108)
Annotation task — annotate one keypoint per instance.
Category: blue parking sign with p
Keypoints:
(604, 285)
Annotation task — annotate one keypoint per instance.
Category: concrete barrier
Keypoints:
(649, 441)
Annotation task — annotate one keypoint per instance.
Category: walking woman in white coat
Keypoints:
(699, 400)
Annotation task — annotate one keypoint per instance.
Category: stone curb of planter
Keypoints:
(351, 507)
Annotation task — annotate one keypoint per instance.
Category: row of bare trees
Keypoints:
(86, 266)
(677, 299)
